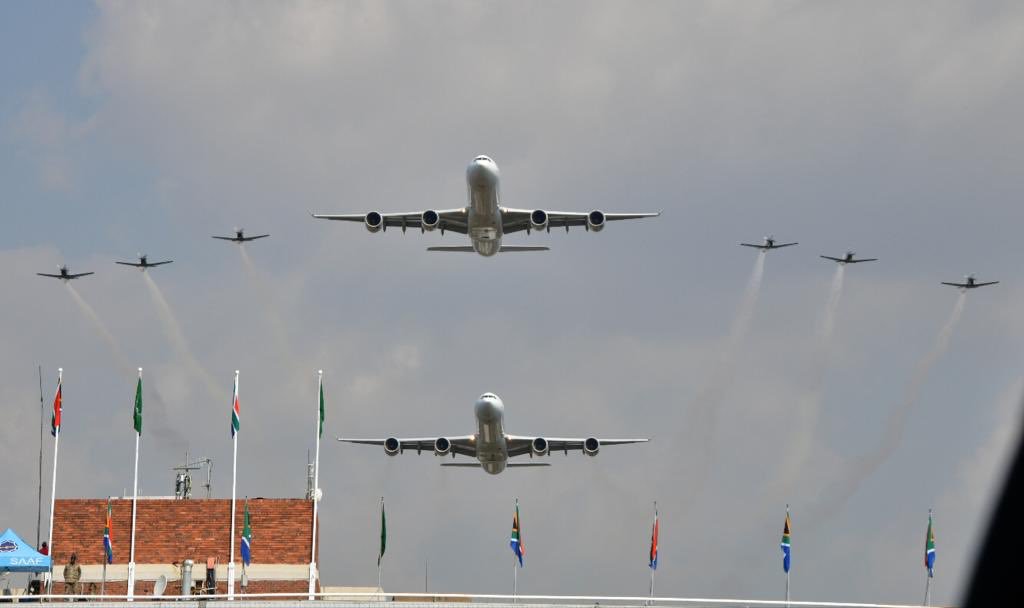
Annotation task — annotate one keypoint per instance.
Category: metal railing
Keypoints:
(373, 599)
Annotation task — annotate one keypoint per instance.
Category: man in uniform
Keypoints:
(72, 574)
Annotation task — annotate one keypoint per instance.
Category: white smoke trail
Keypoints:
(279, 330)
(866, 465)
(703, 413)
(805, 420)
(161, 427)
(177, 338)
(828, 322)
(101, 329)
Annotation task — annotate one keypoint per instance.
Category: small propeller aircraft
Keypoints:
(969, 283)
(64, 274)
(143, 263)
(240, 237)
(849, 259)
(768, 244)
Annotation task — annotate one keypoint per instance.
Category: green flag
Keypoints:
(383, 532)
(138, 406)
(321, 409)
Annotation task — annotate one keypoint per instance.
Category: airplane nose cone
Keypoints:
(481, 173)
(487, 410)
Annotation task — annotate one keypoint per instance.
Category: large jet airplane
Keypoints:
(240, 237)
(490, 446)
(143, 263)
(969, 283)
(64, 274)
(484, 220)
(768, 244)
(849, 259)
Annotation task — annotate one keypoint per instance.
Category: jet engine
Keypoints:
(374, 221)
(540, 446)
(392, 446)
(595, 221)
(442, 446)
(430, 220)
(591, 446)
(539, 219)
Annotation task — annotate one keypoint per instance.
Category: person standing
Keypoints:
(72, 574)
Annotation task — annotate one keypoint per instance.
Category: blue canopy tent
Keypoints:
(18, 556)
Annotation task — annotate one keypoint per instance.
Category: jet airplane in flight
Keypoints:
(969, 283)
(768, 244)
(484, 220)
(490, 446)
(64, 274)
(144, 263)
(240, 237)
(849, 258)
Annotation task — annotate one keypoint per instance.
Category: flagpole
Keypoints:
(316, 488)
(234, 478)
(383, 547)
(135, 499)
(787, 569)
(653, 565)
(53, 490)
(928, 571)
(380, 555)
(103, 581)
(515, 580)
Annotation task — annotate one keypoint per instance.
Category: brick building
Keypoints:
(168, 531)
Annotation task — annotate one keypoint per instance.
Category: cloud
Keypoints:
(892, 130)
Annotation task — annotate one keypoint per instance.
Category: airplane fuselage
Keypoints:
(483, 212)
(491, 447)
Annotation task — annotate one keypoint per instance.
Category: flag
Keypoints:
(246, 536)
(236, 411)
(929, 548)
(516, 540)
(138, 406)
(108, 546)
(653, 557)
(785, 544)
(321, 409)
(55, 417)
(383, 526)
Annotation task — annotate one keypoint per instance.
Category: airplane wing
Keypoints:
(955, 284)
(783, 245)
(515, 220)
(80, 274)
(247, 238)
(161, 263)
(226, 238)
(462, 444)
(520, 444)
(828, 257)
(454, 220)
(984, 284)
(56, 276)
(754, 246)
(135, 264)
(863, 260)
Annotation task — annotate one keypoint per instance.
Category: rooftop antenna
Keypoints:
(183, 479)
(309, 477)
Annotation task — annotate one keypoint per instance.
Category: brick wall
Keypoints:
(169, 531)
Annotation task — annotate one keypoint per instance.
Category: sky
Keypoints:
(891, 129)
